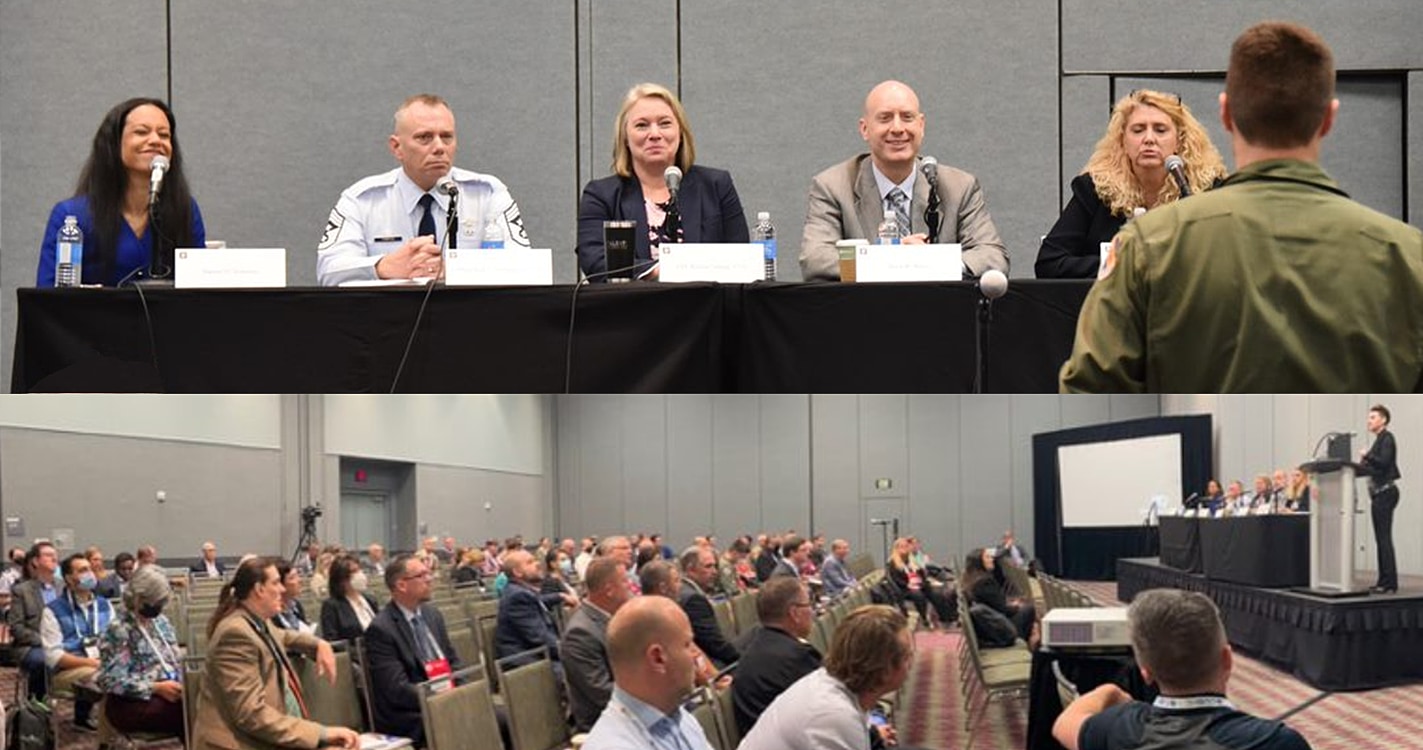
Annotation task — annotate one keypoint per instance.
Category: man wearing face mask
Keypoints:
(393, 225)
(70, 631)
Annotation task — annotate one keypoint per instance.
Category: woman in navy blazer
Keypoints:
(652, 135)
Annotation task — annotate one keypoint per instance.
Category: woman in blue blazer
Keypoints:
(111, 200)
(651, 135)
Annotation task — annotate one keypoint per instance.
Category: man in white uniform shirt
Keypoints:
(393, 225)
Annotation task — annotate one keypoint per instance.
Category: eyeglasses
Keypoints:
(1134, 92)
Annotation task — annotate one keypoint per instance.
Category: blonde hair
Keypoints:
(622, 154)
(1110, 167)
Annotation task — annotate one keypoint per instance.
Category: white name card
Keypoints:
(1106, 250)
(504, 266)
(724, 263)
(909, 263)
(229, 267)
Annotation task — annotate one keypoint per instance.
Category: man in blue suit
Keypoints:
(525, 615)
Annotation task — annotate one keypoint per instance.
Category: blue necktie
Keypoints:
(423, 642)
(427, 219)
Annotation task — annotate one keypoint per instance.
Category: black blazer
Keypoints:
(200, 568)
(1381, 462)
(711, 212)
(396, 669)
(1072, 250)
(773, 661)
(705, 631)
(339, 621)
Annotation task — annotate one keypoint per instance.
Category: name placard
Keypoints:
(724, 263)
(909, 263)
(229, 267)
(505, 266)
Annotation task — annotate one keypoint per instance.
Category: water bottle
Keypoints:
(69, 254)
(889, 233)
(765, 233)
(492, 237)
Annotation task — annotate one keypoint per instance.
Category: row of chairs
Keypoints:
(993, 673)
(1056, 594)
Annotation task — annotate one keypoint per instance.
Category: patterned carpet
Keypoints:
(1389, 718)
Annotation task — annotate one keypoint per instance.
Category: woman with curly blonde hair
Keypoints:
(1127, 171)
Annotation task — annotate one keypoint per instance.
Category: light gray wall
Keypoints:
(960, 466)
(1257, 434)
(282, 105)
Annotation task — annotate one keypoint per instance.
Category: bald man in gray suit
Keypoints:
(848, 200)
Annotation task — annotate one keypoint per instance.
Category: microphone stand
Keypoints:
(982, 323)
(452, 222)
(158, 267)
(931, 214)
(672, 225)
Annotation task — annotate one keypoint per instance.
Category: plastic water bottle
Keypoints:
(492, 237)
(69, 254)
(765, 233)
(889, 233)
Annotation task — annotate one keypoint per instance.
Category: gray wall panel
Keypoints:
(1133, 406)
(644, 463)
(270, 151)
(692, 509)
(451, 501)
(51, 104)
(1415, 154)
(600, 470)
(987, 494)
(836, 466)
(1086, 108)
(1031, 415)
(935, 476)
(1094, 409)
(629, 42)
(109, 498)
(1196, 35)
(737, 59)
(784, 458)
(736, 459)
(884, 444)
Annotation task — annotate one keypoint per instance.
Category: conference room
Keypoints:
(283, 106)
(1070, 496)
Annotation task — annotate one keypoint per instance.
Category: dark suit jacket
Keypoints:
(396, 668)
(524, 622)
(110, 587)
(1072, 250)
(711, 212)
(1381, 462)
(765, 565)
(584, 653)
(26, 611)
(705, 631)
(200, 568)
(785, 567)
(772, 661)
(339, 621)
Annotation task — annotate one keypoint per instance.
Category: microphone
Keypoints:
(447, 186)
(157, 168)
(929, 166)
(993, 284)
(1177, 167)
(673, 176)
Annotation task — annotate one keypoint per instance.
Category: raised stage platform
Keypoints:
(1332, 644)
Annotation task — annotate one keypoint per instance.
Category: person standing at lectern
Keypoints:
(1380, 464)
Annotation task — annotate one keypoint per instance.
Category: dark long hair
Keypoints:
(104, 181)
(973, 570)
(248, 576)
(338, 576)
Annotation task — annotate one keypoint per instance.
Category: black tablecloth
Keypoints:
(1265, 551)
(1181, 543)
(758, 338)
(1086, 671)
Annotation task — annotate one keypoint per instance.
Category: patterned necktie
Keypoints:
(427, 219)
(900, 203)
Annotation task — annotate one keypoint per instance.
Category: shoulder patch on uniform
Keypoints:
(334, 222)
(515, 220)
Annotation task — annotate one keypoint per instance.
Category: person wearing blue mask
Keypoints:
(70, 631)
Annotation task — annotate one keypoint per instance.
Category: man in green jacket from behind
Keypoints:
(1274, 282)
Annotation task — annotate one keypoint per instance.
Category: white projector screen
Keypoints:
(1111, 483)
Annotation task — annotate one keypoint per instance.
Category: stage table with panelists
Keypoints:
(764, 337)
